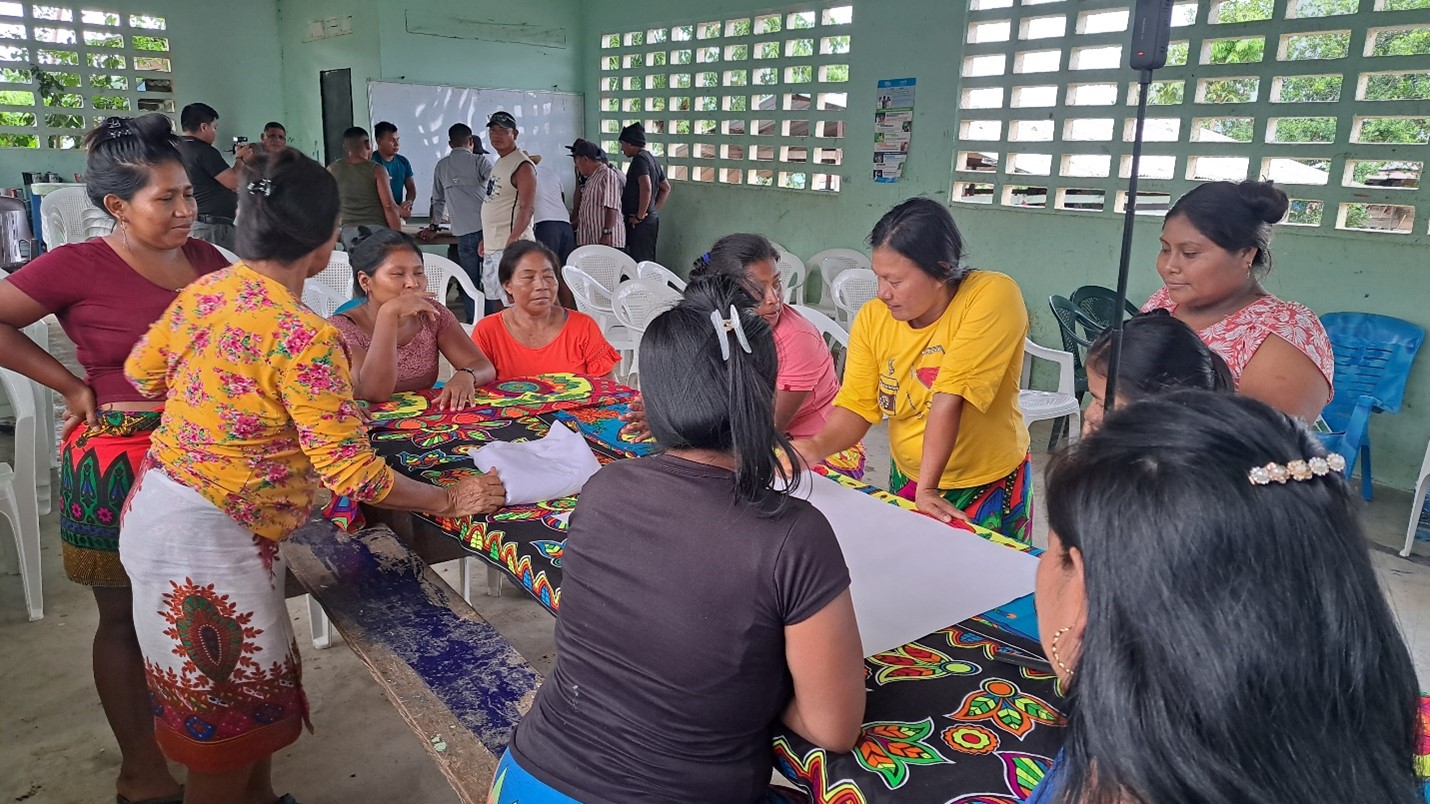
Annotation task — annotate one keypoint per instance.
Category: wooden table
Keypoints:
(444, 237)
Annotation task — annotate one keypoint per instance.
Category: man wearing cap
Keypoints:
(645, 193)
(459, 186)
(598, 214)
(510, 204)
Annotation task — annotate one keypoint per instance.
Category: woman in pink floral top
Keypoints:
(1215, 251)
(258, 408)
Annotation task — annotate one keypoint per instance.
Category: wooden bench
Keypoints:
(448, 672)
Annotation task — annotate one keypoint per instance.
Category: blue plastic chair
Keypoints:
(1373, 357)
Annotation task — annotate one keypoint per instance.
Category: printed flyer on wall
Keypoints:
(893, 127)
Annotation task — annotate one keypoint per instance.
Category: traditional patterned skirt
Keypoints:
(97, 466)
(849, 462)
(1004, 506)
(224, 676)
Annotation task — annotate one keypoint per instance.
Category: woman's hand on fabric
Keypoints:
(481, 494)
(80, 408)
(930, 502)
(458, 393)
(637, 428)
(411, 304)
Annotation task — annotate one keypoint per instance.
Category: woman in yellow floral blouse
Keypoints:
(258, 409)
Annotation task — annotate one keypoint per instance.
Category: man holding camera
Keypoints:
(214, 181)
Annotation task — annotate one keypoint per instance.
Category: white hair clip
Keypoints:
(263, 187)
(1296, 470)
(723, 328)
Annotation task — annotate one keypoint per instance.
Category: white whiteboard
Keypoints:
(547, 122)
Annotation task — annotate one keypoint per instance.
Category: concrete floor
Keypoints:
(55, 747)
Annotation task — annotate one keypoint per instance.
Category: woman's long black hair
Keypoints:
(1160, 354)
(1238, 648)
(287, 207)
(694, 399)
(731, 256)
(121, 150)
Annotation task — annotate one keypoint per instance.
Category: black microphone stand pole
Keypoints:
(1124, 264)
(1151, 30)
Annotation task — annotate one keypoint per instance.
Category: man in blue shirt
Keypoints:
(399, 170)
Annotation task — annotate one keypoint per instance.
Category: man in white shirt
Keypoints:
(459, 186)
(510, 206)
(553, 222)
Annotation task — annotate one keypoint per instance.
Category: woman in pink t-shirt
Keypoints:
(106, 292)
(807, 383)
(1215, 252)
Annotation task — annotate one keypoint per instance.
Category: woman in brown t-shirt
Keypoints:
(699, 607)
(106, 292)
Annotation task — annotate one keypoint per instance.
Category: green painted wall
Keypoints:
(303, 61)
(1048, 252)
(224, 54)
(484, 62)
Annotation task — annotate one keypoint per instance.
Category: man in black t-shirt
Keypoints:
(645, 193)
(214, 181)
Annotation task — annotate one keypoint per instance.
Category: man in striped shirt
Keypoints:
(598, 217)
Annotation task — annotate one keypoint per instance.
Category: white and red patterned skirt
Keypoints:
(222, 663)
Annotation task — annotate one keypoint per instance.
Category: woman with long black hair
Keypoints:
(1207, 596)
(700, 606)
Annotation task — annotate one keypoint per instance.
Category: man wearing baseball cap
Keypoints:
(598, 210)
(459, 186)
(645, 193)
(510, 204)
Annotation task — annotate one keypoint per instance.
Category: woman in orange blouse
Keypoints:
(258, 407)
(536, 335)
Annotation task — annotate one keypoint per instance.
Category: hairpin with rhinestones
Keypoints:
(1296, 470)
(263, 187)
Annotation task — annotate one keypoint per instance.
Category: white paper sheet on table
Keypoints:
(911, 575)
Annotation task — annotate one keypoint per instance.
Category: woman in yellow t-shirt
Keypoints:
(939, 356)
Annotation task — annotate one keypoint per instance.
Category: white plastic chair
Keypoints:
(636, 302)
(851, 290)
(47, 438)
(777, 247)
(1040, 406)
(1417, 504)
(321, 299)
(834, 335)
(831, 262)
(606, 265)
(338, 276)
(441, 272)
(67, 216)
(228, 255)
(595, 301)
(18, 503)
(792, 275)
(654, 270)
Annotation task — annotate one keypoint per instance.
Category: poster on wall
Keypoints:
(893, 127)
